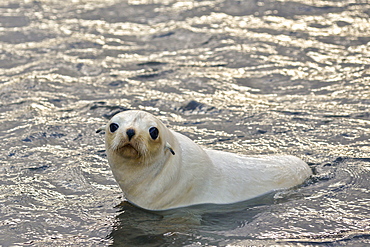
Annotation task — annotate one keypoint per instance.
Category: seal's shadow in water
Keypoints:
(135, 226)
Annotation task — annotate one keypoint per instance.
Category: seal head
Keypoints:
(136, 136)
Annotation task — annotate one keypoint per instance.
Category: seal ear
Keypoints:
(102, 128)
(168, 146)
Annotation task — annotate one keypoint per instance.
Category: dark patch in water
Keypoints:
(108, 111)
(151, 63)
(40, 168)
(164, 35)
(195, 106)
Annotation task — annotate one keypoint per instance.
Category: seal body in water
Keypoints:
(160, 169)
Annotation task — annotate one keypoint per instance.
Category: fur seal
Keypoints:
(159, 169)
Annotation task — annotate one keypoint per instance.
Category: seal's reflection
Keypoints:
(135, 226)
(177, 227)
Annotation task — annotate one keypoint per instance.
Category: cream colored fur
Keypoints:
(153, 178)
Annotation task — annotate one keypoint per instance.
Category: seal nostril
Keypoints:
(130, 133)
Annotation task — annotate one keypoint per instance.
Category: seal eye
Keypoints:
(113, 127)
(153, 131)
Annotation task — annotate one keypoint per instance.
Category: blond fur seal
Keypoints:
(160, 169)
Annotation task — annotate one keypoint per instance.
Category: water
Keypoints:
(251, 77)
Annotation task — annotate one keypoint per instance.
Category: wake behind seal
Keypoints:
(159, 169)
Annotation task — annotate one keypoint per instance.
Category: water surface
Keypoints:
(248, 77)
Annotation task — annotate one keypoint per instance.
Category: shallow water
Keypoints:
(249, 77)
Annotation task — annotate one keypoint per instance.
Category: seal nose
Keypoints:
(130, 133)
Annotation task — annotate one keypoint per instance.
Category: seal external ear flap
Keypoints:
(169, 148)
(102, 128)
